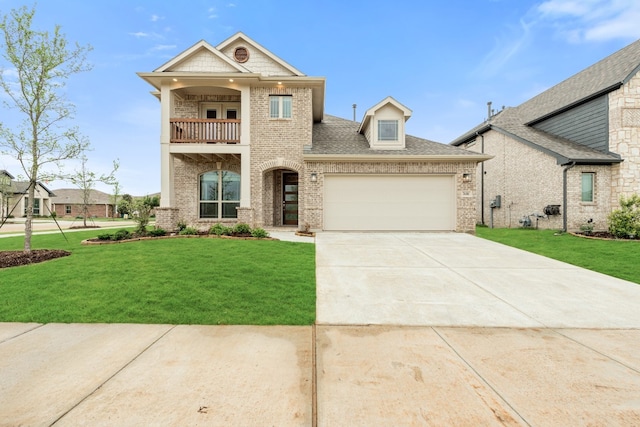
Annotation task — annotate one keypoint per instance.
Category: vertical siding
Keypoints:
(587, 124)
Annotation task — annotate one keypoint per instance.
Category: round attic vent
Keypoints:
(241, 54)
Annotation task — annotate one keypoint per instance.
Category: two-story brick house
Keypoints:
(567, 154)
(244, 138)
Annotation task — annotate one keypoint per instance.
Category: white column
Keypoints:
(245, 178)
(167, 197)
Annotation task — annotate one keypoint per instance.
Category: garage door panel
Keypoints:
(389, 202)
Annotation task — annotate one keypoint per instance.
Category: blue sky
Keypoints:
(442, 59)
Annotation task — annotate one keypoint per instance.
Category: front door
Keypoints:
(289, 198)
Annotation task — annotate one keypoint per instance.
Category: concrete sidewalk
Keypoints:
(413, 329)
(132, 375)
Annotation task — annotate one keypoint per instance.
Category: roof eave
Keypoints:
(470, 136)
(395, 157)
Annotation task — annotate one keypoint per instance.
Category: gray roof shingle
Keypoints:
(74, 196)
(337, 136)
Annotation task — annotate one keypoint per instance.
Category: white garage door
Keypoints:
(389, 202)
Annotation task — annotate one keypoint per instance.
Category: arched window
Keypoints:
(219, 194)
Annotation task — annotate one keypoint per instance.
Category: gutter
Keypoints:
(481, 179)
(394, 157)
(564, 195)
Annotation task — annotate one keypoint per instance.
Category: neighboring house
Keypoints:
(244, 138)
(14, 197)
(568, 153)
(68, 202)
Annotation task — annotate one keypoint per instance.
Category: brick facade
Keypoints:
(624, 139)
(528, 180)
(93, 211)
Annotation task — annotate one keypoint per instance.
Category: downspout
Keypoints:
(564, 195)
(481, 180)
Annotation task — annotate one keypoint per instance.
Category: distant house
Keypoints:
(14, 198)
(568, 154)
(68, 202)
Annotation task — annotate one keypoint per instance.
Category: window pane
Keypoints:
(274, 107)
(230, 186)
(36, 206)
(286, 107)
(209, 186)
(388, 130)
(208, 210)
(229, 210)
(587, 187)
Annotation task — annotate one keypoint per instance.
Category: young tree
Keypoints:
(115, 196)
(86, 181)
(42, 62)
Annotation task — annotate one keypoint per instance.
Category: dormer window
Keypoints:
(387, 130)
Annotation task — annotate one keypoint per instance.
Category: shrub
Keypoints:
(625, 222)
(259, 233)
(182, 224)
(121, 235)
(220, 229)
(157, 232)
(188, 231)
(105, 236)
(242, 228)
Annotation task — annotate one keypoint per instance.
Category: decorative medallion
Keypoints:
(241, 54)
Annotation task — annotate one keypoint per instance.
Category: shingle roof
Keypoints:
(21, 187)
(337, 136)
(596, 80)
(74, 196)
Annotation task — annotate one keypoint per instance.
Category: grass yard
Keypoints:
(618, 258)
(168, 281)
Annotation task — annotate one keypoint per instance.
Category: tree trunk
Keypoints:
(27, 222)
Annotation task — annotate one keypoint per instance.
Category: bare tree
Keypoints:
(41, 62)
(86, 181)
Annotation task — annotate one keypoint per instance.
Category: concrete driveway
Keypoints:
(412, 329)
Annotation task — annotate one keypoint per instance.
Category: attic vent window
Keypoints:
(387, 130)
(241, 54)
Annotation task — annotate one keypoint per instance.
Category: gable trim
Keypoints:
(202, 44)
(241, 36)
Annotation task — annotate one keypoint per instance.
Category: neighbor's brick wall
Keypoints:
(95, 211)
(528, 180)
(624, 139)
(277, 144)
(466, 209)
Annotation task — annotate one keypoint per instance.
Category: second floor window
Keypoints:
(280, 106)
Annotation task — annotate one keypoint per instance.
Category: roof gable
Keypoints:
(406, 112)
(202, 57)
(259, 59)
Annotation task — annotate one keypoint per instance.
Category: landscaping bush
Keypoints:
(259, 233)
(188, 231)
(625, 222)
(121, 235)
(220, 229)
(242, 228)
(182, 224)
(105, 236)
(157, 232)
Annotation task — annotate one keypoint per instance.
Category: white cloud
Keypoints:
(506, 47)
(140, 34)
(591, 20)
(155, 18)
(163, 47)
(212, 13)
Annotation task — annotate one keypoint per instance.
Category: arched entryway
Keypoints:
(281, 197)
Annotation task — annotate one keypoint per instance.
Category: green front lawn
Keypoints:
(618, 258)
(169, 281)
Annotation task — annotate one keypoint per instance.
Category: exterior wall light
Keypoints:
(314, 177)
(466, 177)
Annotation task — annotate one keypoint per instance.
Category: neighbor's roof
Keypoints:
(337, 138)
(73, 196)
(21, 187)
(602, 77)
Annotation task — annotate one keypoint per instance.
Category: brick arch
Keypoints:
(280, 163)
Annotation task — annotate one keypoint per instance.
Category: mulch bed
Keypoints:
(603, 235)
(17, 258)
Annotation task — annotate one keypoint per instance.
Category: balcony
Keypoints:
(205, 131)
